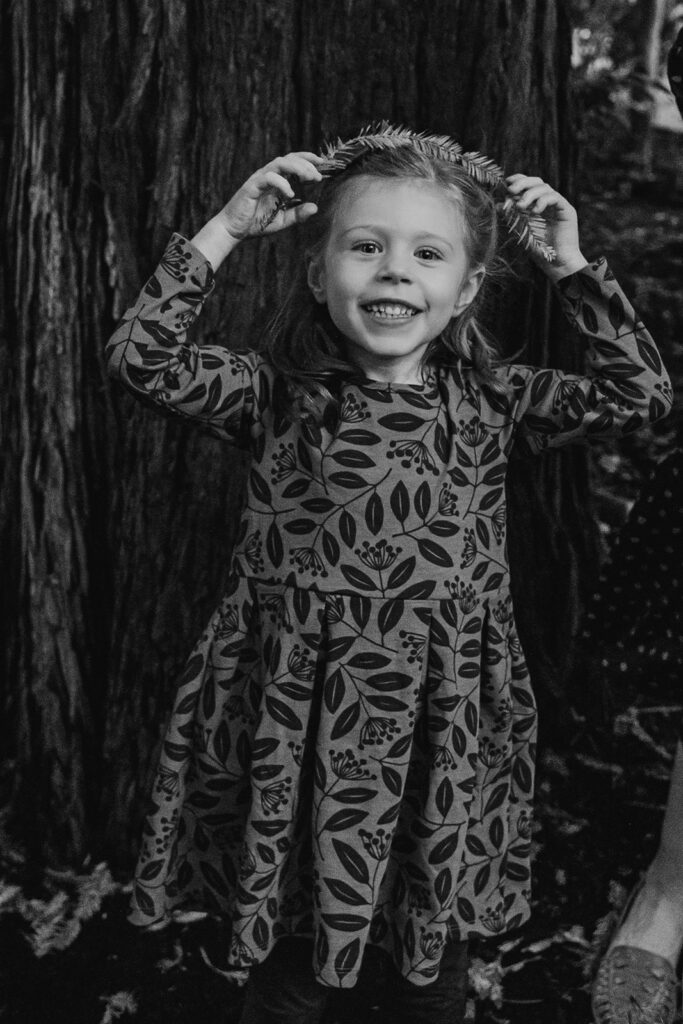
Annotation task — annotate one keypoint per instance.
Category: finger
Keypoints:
(529, 196)
(518, 182)
(287, 217)
(298, 214)
(304, 211)
(295, 164)
(553, 201)
(305, 169)
(271, 180)
(532, 192)
(264, 181)
(305, 153)
(313, 157)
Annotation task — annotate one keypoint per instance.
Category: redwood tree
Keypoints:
(130, 119)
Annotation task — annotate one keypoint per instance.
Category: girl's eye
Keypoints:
(428, 254)
(366, 247)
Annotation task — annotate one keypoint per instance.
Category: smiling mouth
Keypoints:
(390, 310)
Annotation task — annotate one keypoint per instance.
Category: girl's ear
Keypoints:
(469, 289)
(316, 280)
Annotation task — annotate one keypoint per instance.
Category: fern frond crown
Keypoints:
(527, 229)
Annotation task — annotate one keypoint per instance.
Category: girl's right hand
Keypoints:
(260, 206)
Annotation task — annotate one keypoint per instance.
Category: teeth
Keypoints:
(391, 310)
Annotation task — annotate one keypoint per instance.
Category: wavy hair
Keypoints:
(302, 342)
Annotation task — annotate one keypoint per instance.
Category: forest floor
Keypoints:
(600, 794)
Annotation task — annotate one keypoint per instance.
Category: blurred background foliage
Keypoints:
(630, 181)
(619, 51)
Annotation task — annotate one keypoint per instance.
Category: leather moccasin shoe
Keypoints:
(633, 986)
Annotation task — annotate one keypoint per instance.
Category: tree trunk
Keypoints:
(130, 120)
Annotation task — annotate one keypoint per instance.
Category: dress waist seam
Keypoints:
(265, 582)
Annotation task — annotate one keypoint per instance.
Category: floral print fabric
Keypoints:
(351, 750)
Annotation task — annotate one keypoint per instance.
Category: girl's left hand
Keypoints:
(562, 229)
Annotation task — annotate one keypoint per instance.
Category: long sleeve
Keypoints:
(149, 352)
(625, 385)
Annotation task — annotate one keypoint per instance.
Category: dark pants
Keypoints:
(283, 990)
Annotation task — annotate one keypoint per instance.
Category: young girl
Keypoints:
(349, 763)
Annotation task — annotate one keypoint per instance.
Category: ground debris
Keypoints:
(117, 1005)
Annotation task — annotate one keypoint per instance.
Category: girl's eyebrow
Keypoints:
(376, 227)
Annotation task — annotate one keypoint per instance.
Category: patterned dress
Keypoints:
(350, 755)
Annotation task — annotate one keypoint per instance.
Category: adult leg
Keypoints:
(655, 920)
(638, 970)
(283, 989)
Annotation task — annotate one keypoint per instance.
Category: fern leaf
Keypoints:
(529, 230)
(482, 169)
(338, 156)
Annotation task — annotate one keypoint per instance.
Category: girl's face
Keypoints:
(394, 271)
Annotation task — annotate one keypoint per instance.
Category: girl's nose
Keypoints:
(394, 268)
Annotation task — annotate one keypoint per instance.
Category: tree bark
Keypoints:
(130, 120)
